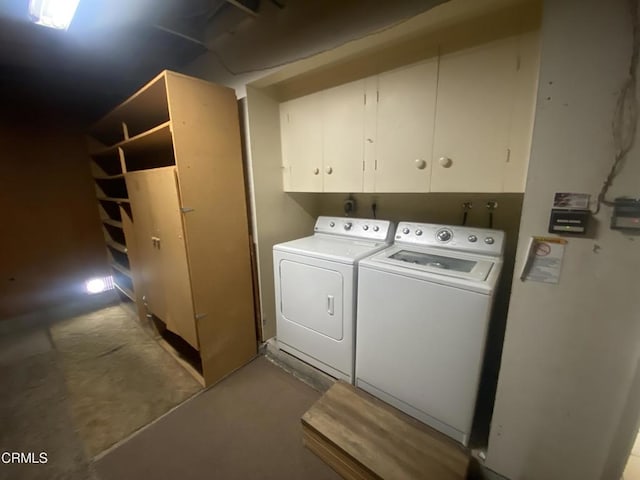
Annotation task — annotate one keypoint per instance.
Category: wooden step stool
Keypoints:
(361, 437)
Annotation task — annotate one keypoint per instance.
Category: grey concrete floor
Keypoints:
(77, 379)
(86, 385)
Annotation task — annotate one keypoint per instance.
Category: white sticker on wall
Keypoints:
(544, 260)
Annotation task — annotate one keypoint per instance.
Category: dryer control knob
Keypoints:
(444, 235)
(472, 238)
(405, 230)
(376, 228)
(365, 227)
(418, 232)
(332, 224)
(489, 240)
(348, 225)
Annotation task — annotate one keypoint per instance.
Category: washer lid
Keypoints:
(437, 261)
(332, 248)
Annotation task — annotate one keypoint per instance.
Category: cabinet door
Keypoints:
(149, 265)
(343, 137)
(473, 114)
(156, 205)
(301, 134)
(404, 137)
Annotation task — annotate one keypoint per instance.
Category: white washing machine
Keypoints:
(315, 283)
(424, 306)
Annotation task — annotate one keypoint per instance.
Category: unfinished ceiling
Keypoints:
(115, 46)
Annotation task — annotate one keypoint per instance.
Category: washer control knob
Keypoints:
(376, 228)
(365, 227)
(418, 232)
(405, 230)
(348, 225)
(444, 235)
(489, 240)
(332, 224)
(472, 238)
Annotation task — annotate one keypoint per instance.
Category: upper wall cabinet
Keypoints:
(322, 140)
(473, 118)
(458, 122)
(403, 139)
(301, 131)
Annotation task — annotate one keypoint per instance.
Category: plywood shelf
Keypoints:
(117, 246)
(113, 223)
(108, 177)
(144, 110)
(121, 269)
(113, 199)
(125, 291)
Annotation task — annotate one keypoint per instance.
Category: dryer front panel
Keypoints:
(315, 311)
(312, 297)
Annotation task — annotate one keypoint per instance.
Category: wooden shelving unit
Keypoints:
(169, 181)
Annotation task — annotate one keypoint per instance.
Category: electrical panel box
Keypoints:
(569, 221)
(626, 214)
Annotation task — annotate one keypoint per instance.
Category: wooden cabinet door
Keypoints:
(301, 134)
(473, 116)
(157, 220)
(404, 137)
(149, 265)
(343, 109)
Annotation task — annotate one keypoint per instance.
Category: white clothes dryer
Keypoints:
(315, 285)
(424, 306)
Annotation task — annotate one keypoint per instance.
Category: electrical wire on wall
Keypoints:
(625, 118)
(466, 206)
(491, 206)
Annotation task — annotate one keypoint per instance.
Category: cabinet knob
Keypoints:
(316, 171)
(329, 170)
(369, 140)
(420, 163)
(445, 162)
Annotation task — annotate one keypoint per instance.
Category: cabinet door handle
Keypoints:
(445, 162)
(316, 171)
(330, 304)
(329, 170)
(420, 163)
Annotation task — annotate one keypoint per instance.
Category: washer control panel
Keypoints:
(362, 228)
(469, 239)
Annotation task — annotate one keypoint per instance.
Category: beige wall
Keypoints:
(569, 372)
(51, 237)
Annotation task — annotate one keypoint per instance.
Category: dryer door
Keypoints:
(312, 296)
